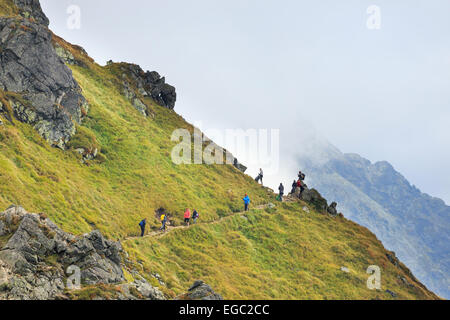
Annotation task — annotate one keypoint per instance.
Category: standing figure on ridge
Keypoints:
(302, 188)
(246, 202)
(281, 189)
(142, 225)
(260, 176)
(294, 186)
(301, 176)
(195, 216)
(187, 217)
(163, 222)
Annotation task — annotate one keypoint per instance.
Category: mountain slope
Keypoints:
(115, 168)
(411, 223)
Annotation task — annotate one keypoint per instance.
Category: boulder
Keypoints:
(332, 209)
(146, 84)
(315, 198)
(38, 85)
(37, 252)
(239, 165)
(201, 291)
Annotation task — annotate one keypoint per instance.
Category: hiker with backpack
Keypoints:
(163, 222)
(281, 190)
(187, 217)
(260, 176)
(195, 216)
(302, 188)
(142, 225)
(301, 176)
(246, 202)
(294, 186)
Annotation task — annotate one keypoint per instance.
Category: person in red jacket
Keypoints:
(300, 185)
(187, 217)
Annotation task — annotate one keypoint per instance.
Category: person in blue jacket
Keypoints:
(142, 225)
(246, 202)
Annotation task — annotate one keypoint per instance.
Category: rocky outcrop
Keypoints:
(315, 198)
(45, 93)
(35, 255)
(32, 9)
(200, 291)
(137, 83)
(332, 209)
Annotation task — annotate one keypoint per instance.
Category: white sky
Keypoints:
(384, 94)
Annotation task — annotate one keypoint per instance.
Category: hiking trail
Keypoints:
(159, 234)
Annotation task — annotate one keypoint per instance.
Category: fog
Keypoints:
(313, 70)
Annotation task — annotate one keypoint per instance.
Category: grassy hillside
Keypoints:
(266, 254)
(132, 177)
(281, 253)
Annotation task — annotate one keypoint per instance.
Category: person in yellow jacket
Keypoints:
(163, 222)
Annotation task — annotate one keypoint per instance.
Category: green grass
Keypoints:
(287, 254)
(8, 8)
(135, 177)
(283, 253)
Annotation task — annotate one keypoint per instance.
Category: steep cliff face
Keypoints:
(413, 224)
(36, 86)
(39, 89)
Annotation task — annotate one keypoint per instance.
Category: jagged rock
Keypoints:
(332, 209)
(32, 9)
(239, 165)
(148, 84)
(36, 252)
(68, 57)
(313, 196)
(46, 94)
(144, 288)
(271, 205)
(392, 258)
(201, 291)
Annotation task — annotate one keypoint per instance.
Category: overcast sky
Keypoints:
(384, 94)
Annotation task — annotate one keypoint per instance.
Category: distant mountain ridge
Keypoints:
(413, 224)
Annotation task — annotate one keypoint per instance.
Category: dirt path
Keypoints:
(160, 234)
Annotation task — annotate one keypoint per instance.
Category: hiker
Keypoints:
(294, 186)
(246, 202)
(301, 176)
(281, 189)
(142, 225)
(260, 176)
(187, 217)
(195, 216)
(163, 222)
(302, 188)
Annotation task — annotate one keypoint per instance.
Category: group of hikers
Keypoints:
(195, 215)
(298, 183)
(164, 219)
